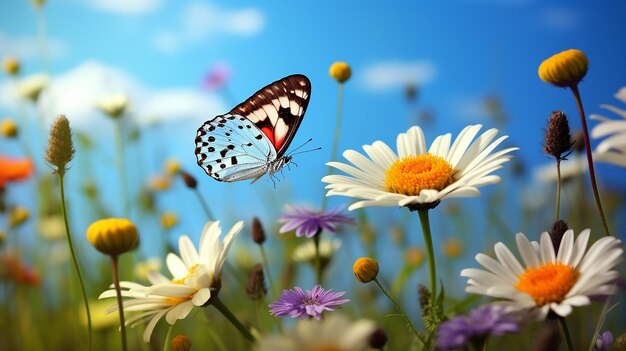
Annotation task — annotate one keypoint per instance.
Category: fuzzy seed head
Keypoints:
(558, 140)
(556, 234)
(256, 283)
(258, 233)
(60, 147)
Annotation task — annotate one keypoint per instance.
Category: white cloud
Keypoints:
(201, 20)
(27, 47)
(127, 7)
(387, 75)
(75, 93)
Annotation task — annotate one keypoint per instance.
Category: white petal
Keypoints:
(561, 309)
(187, 251)
(150, 327)
(201, 297)
(566, 248)
(176, 266)
(546, 249)
(506, 257)
(526, 251)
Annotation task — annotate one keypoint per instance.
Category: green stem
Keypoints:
(267, 269)
(558, 189)
(400, 310)
(318, 257)
(232, 319)
(203, 203)
(120, 305)
(568, 338)
(333, 152)
(166, 344)
(428, 241)
(121, 165)
(74, 259)
(592, 173)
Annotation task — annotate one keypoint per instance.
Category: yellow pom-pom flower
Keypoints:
(564, 69)
(113, 236)
(8, 128)
(172, 166)
(340, 71)
(365, 269)
(11, 66)
(169, 220)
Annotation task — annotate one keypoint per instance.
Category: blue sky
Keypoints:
(459, 53)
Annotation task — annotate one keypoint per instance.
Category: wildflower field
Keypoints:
(313, 177)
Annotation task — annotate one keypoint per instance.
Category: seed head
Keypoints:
(60, 148)
(558, 140)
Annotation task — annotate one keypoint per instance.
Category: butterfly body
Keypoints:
(251, 140)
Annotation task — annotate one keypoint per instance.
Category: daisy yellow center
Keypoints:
(547, 283)
(413, 173)
(177, 300)
(325, 348)
(189, 274)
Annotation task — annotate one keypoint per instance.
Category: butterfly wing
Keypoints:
(277, 109)
(231, 148)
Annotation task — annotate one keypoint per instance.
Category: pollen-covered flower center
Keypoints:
(547, 283)
(412, 174)
(310, 301)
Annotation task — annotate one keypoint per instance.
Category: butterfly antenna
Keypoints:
(293, 152)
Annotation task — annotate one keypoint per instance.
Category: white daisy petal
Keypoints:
(526, 251)
(187, 251)
(546, 249)
(612, 149)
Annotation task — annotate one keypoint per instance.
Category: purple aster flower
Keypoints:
(604, 341)
(308, 222)
(299, 303)
(480, 323)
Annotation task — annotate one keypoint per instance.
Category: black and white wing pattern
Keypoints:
(251, 140)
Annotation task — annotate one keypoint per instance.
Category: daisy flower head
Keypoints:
(548, 281)
(196, 276)
(419, 177)
(613, 148)
(297, 302)
(308, 222)
(336, 333)
(478, 324)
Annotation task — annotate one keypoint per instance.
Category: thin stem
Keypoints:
(558, 189)
(267, 269)
(568, 338)
(232, 319)
(121, 165)
(74, 259)
(166, 344)
(333, 152)
(120, 305)
(203, 203)
(428, 241)
(318, 257)
(592, 172)
(400, 310)
(41, 34)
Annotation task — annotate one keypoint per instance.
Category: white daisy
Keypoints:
(548, 281)
(196, 276)
(418, 176)
(113, 105)
(31, 87)
(307, 253)
(613, 148)
(334, 332)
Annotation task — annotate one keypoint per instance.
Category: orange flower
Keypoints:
(14, 169)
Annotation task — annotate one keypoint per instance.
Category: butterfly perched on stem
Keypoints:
(251, 139)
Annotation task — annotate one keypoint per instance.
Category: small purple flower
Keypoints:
(604, 341)
(480, 323)
(308, 222)
(299, 303)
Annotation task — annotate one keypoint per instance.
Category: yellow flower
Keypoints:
(169, 220)
(452, 248)
(414, 256)
(564, 69)
(39, 3)
(172, 166)
(51, 227)
(31, 87)
(17, 216)
(159, 183)
(11, 66)
(113, 236)
(365, 269)
(181, 343)
(340, 71)
(8, 128)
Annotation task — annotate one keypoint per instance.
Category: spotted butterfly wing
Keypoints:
(251, 140)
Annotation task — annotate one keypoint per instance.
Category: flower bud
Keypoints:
(565, 69)
(340, 71)
(189, 180)
(8, 128)
(172, 166)
(365, 269)
(60, 148)
(11, 66)
(113, 236)
(256, 283)
(558, 140)
(556, 234)
(181, 343)
(258, 234)
(17, 216)
(169, 220)
(452, 248)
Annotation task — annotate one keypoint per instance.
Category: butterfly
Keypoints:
(251, 139)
